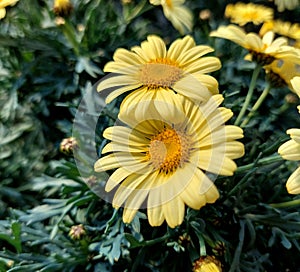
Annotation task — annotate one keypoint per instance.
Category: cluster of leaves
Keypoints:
(45, 69)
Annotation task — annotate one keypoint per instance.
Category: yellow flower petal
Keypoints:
(2, 13)
(176, 204)
(130, 187)
(290, 150)
(295, 82)
(293, 183)
(119, 134)
(155, 214)
(295, 134)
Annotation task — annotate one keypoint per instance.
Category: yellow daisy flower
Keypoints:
(280, 73)
(285, 29)
(241, 13)
(286, 4)
(4, 4)
(162, 158)
(179, 15)
(152, 70)
(62, 7)
(290, 150)
(262, 50)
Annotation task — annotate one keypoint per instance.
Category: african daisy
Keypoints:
(162, 159)
(150, 70)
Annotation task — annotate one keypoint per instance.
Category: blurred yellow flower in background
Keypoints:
(285, 29)
(242, 13)
(179, 15)
(4, 4)
(150, 70)
(262, 50)
(286, 4)
(62, 7)
(162, 158)
(290, 150)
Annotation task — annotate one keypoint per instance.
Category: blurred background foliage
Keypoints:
(51, 219)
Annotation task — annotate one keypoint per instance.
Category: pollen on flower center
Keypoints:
(160, 73)
(168, 150)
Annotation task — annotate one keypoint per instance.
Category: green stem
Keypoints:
(287, 204)
(202, 246)
(261, 162)
(157, 240)
(256, 106)
(249, 94)
(250, 169)
(111, 220)
(70, 34)
(236, 258)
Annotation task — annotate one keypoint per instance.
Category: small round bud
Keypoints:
(291, 98)
(60, 21)
(68, 145)
(205, 14)
(77, 232)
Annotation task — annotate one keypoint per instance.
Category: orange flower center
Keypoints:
(168, 150)
(160, 72)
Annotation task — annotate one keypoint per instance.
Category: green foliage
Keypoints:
(46, 67)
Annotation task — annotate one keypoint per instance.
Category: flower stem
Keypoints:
(249, 94)
(287, 204)
(257, 104)
(261, 162)
(70, 34)
(250, 169)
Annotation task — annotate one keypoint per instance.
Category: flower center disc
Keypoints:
(168, 150)
(154, 75)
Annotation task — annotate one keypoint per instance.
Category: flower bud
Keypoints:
(77, 232)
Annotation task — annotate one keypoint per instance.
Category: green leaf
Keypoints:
(15, 241)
